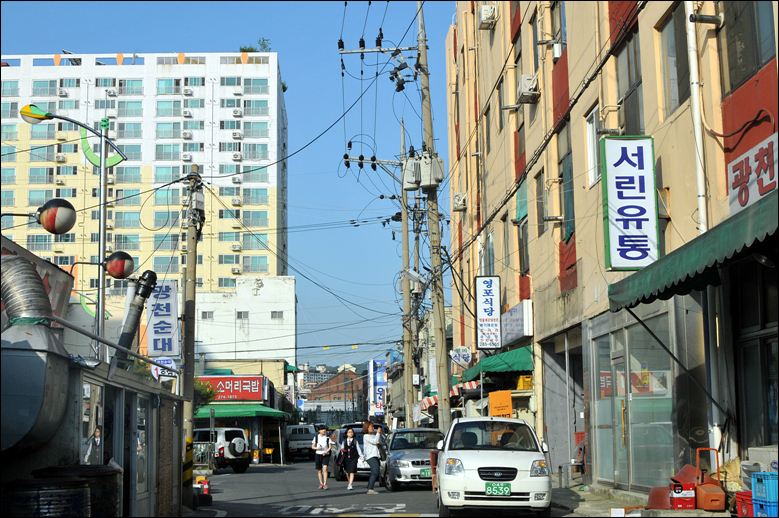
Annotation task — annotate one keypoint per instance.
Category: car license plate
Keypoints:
(426, 473)
(498, 489)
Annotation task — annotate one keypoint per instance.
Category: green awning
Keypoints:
(693, 266)
(512, 361)
(217, 372)
(239, 410)
(291, 368)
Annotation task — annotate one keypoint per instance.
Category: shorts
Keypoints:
(322, 460)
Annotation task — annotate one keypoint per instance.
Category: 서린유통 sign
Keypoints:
(629, 202)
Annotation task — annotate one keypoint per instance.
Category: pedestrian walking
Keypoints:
(322, 445)
(352, 453)
(372, 454)
(93, 449)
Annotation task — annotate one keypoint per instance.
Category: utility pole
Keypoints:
(100, 309)
(408, 359)
(437, 284)
(195, 226)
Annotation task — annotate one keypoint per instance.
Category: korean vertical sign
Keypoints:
(162, 329)
(629, 202)
(487, 295)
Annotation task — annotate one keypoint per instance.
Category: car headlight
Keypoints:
(395, 463)
(539, 469)
(454, 467)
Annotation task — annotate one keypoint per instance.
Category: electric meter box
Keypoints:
(198, 201)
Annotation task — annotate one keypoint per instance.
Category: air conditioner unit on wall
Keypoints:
(109, 225)
(186, 157)
(458, 202)
(237, 156)
(62, 92)
(109, 180)
(237, 135)
(187, 91)
(109, 248)
(237, 179)
(236, 270)
(487, 17)
(186, 134)
(185, 201)
(186, 113)
(557, 51)
(60, 158)
(111, 92)
(59, 181)
(527, 89)
(237, 112)
(236, 247)
(183, 247)
(236, 201)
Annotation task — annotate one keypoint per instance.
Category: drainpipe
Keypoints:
(710, 347)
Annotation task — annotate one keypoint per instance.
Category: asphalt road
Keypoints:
(292, 490)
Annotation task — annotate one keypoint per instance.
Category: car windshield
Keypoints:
(423, 440)
(493, 435)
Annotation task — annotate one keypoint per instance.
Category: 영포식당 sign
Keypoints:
(487, 294)
(629, 202)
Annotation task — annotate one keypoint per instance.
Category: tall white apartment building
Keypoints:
(222, 111)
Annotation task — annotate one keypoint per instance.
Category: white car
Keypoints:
(493, 462)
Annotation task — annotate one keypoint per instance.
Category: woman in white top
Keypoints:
(371, 452)
(322, 445)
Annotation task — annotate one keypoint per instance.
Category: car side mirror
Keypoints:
(439, 445)
(544, 447)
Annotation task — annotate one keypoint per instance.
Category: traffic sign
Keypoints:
(157, 371)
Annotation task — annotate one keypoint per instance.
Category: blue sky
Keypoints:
(359, 264)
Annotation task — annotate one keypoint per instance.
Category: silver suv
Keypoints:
(231, 447)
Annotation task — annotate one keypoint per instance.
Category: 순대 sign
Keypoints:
(629, 202)
(162, 327)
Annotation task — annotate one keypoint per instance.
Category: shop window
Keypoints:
(92, 433)
(746, 41)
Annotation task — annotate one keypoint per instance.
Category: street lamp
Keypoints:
(57, 216)
(34, 115)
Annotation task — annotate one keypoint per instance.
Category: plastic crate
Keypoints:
(744, 505)
(765, 508)
(525, 382)
(765, 487)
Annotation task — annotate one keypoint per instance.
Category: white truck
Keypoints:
(298, 439)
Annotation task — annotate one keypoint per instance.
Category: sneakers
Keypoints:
(349, 487)
(324, 487)
(372, 492)
(320, 486)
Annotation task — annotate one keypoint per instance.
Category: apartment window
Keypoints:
(128, 242)
(255, 218)
(673, 54)
(256, 86)
(275, 315)
(64, 260)
(97, 126)
(256, 129)
(44, 87)
(67, 148)
(230, 125)
(229, 259)
(258, 60)
(184, 257)
(101, 82)
(229, 191)
(68, 105)
(127, 220)
(133, 151)
(94, 237)
(558, 23)
(42, 131)
(41, 175)
(255, 107)
(129, 130)
(229, 213)
(230, 103)
(167, 152)
(67, 170)
(166, 197)
(229, 146)
(195, 60)
(255, 241)
(226, 282)
(38, 243)
(168, 130)
(194, 81)
(8, 153)
(230, 81)
(7, 222)
(565, 174)
(194, 103)
(67, 193)
(255, 196)
(9, 110)
(501, 104)
(128, 197)
(193, 125)
(487, 131)
(8, 176)
(166, 264)
(229, 169)
(229, 236)
(168, 108)
(242, 315)
(255, 174)
(206, 315)
(168, 86)
(255, 264)
(629, 86)
(7, 198)
(534, 29)
(95, 283)
(96, 192)
(192, 147)
(541, 203)
(167, 173)
(128, 175)
(506, 242)
(9, 132)
(164, 219)
(524, 255)
(256, 151)
(593, 153)
(95, 215)
(46, 106)
(167, 60)
(746, 41)
(70, 83)
(166, 241)
(131, 86)
(66, 126)
(130, 108)
(103, 104)
(10, 88)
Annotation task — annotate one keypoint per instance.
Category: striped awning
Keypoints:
(457, 389)
(429, 401)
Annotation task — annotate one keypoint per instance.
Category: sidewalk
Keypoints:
(599, 500)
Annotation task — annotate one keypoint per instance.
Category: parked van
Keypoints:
(298, 439)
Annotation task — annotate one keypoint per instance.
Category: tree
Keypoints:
(204, 394)
(264, 46)
(247, 48)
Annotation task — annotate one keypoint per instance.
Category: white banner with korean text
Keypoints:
(487, 294)
(629, 202)
(162, 313)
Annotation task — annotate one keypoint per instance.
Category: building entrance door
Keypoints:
(621, 423)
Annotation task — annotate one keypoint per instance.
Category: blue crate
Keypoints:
(761, 508)
(765, 487)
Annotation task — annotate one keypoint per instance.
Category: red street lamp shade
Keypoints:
(57, 216)
(119, 265)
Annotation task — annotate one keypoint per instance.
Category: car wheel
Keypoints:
(240, 468)
(546, 513)
(443, 511)
(392, 486)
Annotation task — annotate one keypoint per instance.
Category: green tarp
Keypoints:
(512, 361)
(239, 410)
(217, 372)
(693, 266)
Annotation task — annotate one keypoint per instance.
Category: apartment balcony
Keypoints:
(167, 155)
(262, 110)
(10, 92)
(255, 222)
(130, 90)
(44, 91)
(129, 134)
(128, 178)
(168, 112)
(10, 135)
(42, 179)
(167, 90)
(255, 200)
(256, 89)
(168, 133)
(261, 133)
(131, 112)
(255, 155)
